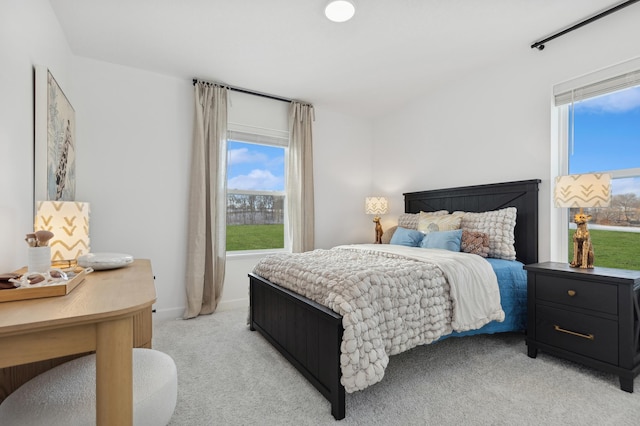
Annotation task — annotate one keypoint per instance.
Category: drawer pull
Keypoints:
(571, 293)
(573, 333)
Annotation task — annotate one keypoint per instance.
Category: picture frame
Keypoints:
(55, 142)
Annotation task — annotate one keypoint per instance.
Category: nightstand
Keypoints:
(589, 316)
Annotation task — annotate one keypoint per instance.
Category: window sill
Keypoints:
(252, 254)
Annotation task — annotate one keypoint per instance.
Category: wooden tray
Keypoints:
(24, 293)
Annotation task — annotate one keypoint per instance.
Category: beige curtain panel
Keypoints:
(300, 177)
(206, 251)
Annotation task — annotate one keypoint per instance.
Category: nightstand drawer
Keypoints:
(581, 294)
(583, 334)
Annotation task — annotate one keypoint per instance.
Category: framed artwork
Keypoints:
(55, 154)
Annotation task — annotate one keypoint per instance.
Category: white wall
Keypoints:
(494, 125)
(29, 34)
(133, 156)
(342, 176)
(133, 132)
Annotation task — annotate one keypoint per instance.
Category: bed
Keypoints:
(310, 335)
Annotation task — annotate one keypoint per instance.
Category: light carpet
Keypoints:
(229, 375)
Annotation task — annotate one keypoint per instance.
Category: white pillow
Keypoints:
(428, 222)
(499, 225)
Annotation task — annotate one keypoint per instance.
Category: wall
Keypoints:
(342, 175)
(134, 144)
(133, 131)
(29, 34)
(495, 124)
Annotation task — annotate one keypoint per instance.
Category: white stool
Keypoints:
(66, 394)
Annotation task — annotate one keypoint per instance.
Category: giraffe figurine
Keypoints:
(379, 230)
(583, 255)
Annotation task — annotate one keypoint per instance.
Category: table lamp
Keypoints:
(69, 222)
(376, 206)
(582, 191)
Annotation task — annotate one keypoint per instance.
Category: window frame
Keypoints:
(560, 123)
(254, 136)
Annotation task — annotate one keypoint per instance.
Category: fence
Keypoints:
(255, 209)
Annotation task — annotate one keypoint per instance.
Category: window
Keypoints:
(256, 196)
(602, 134)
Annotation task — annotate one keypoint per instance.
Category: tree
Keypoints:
(626, 205)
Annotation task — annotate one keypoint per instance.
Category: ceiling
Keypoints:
(390, 53)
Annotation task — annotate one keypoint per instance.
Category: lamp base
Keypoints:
(378, 230)
(583, 255)
(64, 264)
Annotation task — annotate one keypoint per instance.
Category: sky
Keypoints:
(607, 136)
(255, 167)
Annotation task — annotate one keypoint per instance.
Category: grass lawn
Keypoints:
(254, 237)
(613, 249)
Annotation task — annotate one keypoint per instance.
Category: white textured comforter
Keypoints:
(392, 298)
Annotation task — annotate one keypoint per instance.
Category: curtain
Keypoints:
(300, 178)
(206, 250)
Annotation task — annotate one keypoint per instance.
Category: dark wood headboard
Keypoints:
(523, 195)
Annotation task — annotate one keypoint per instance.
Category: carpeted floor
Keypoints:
(228, 375)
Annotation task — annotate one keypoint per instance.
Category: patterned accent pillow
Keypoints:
(499, 225)
(410, 220)
(475, 243)
(434, 223)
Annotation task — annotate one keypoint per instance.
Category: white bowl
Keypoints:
(100, 261)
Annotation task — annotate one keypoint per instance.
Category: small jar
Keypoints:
(39, 259)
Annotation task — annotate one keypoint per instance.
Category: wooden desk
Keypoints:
(97, 316)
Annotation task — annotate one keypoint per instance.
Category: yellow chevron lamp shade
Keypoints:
(69, 222)
(585, 190)
(376, 205)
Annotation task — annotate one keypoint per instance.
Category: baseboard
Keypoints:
(227, 305)
(177, 313)
(168, 314)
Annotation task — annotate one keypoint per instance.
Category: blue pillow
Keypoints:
(406, 237)
(448, 240)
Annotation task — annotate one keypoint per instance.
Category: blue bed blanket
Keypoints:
(512, 281)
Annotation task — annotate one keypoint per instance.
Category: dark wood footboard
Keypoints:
(306, 333)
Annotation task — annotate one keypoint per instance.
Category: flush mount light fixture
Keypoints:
(339, 10)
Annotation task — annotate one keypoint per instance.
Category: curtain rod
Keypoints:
(250, 92)
(540, 44)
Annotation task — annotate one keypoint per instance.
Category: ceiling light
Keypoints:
(339, 10)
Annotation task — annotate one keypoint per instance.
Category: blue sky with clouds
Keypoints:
(607, 136)
(255, 167)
